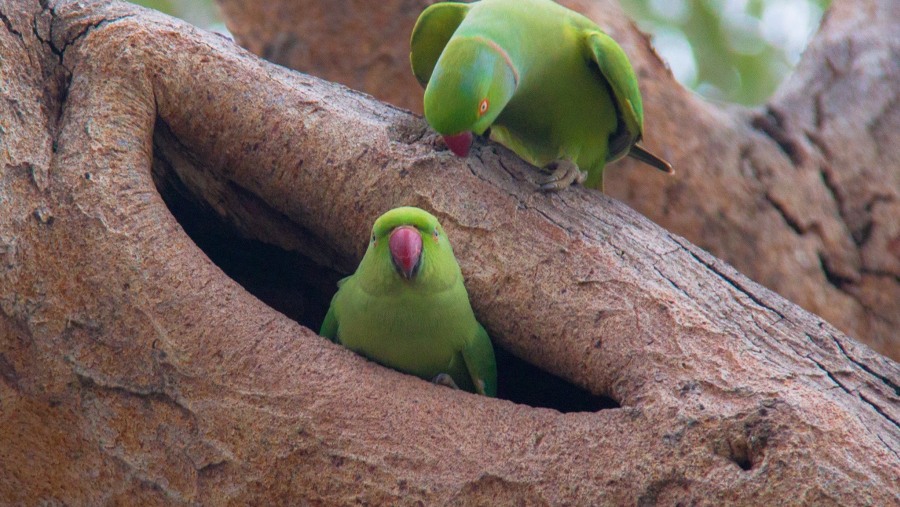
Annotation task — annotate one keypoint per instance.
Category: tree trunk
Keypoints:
(801, 195)
(132, 368)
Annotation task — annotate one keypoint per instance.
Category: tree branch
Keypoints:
(799, 195)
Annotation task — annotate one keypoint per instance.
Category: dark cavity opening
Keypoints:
(743, 462)
(522, 382)
(302, 290)
(738, 451)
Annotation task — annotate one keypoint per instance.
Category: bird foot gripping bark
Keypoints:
(562, 174)
(444, 379)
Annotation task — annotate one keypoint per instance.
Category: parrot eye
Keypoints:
(435, 235)
(483, 107)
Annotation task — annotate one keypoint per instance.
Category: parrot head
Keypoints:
(472, 82)
(408, 246)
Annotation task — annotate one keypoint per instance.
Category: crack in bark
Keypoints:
(8, 372)
(830, 375)
(880, 410)
(888, 382)
(771, 124)
(859, 396)
(862, 236)
(855, 392)
(873, 125)
(149, 393)
(893, 451)
(671, 282)
(9, 27)
(788, 219)
(729, 280)
(49, 40)
(838, 281)
(63, 92)
(83, 33)
(817, 142)
(818, 111)
(521, 202)
(825, 172)
(211, 468)
(877, 273)
(513, 175)
(140, 474)
(60, 52)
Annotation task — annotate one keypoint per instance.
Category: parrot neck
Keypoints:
(504, 57)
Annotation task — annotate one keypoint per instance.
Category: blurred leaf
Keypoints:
(736, 57)
(202, 13)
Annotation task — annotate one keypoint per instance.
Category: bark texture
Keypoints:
(132, 369)
(802, 195)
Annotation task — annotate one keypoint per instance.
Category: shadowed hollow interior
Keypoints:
(302, 290)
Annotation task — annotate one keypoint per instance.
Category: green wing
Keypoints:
(433, 30)
(330, 325)
(479, 359)
(616, 68)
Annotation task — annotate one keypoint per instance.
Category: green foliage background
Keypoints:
(728, 50)
(731, 50)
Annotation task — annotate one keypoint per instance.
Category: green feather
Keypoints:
(329, 325)
(423, 325)
(433, 30)
(479, 360)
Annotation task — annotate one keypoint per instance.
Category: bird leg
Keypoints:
(562, 174)
(444, 380)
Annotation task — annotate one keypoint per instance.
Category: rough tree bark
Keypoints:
(133, 369)
(801, 195)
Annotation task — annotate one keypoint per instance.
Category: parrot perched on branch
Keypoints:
(406, 306)
(546, 81)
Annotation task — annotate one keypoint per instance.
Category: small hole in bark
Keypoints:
(738, 451)
(743, 462)
(302, 290)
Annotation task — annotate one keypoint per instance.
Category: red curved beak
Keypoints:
(406, 250)
(460, 143)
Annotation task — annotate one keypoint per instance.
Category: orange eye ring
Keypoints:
(483, 106)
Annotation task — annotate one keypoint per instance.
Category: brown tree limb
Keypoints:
(800, 195)
(132, 368)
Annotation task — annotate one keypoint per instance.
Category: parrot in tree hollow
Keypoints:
(406, 306)
(546, 81)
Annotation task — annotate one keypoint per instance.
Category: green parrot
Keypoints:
(546, 81)
(406, 306)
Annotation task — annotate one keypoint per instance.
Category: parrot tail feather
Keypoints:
(650, 159)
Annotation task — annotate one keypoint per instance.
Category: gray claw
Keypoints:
(563, 173)
(444, 379)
